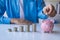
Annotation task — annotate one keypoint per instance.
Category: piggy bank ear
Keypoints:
(43, 21)
(52, 20)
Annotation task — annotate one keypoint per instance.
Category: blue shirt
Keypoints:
(32, 10)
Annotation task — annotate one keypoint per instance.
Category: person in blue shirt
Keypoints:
(32, 11)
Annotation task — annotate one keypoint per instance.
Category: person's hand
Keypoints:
(49, 10)
(20, 21)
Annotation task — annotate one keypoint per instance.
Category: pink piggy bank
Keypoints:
(47, 26)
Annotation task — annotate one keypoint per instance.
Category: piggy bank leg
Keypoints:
(46, 31)
(50, 31)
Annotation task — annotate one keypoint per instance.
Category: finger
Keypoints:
(53, 14)
(50, 9)
(45, 10)
(28, 22)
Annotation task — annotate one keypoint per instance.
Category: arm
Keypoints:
(3, 20)
(41, 14)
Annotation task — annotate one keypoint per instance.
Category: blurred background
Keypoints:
(56, 3)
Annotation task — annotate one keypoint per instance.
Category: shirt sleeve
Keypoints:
(41, 5)
(3, 20)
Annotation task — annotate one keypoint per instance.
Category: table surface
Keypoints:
(6, 35)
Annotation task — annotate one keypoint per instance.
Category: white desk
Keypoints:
(5, 35)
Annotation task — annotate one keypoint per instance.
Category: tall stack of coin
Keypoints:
(27, 28)
(34, 27)
(21, 29)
